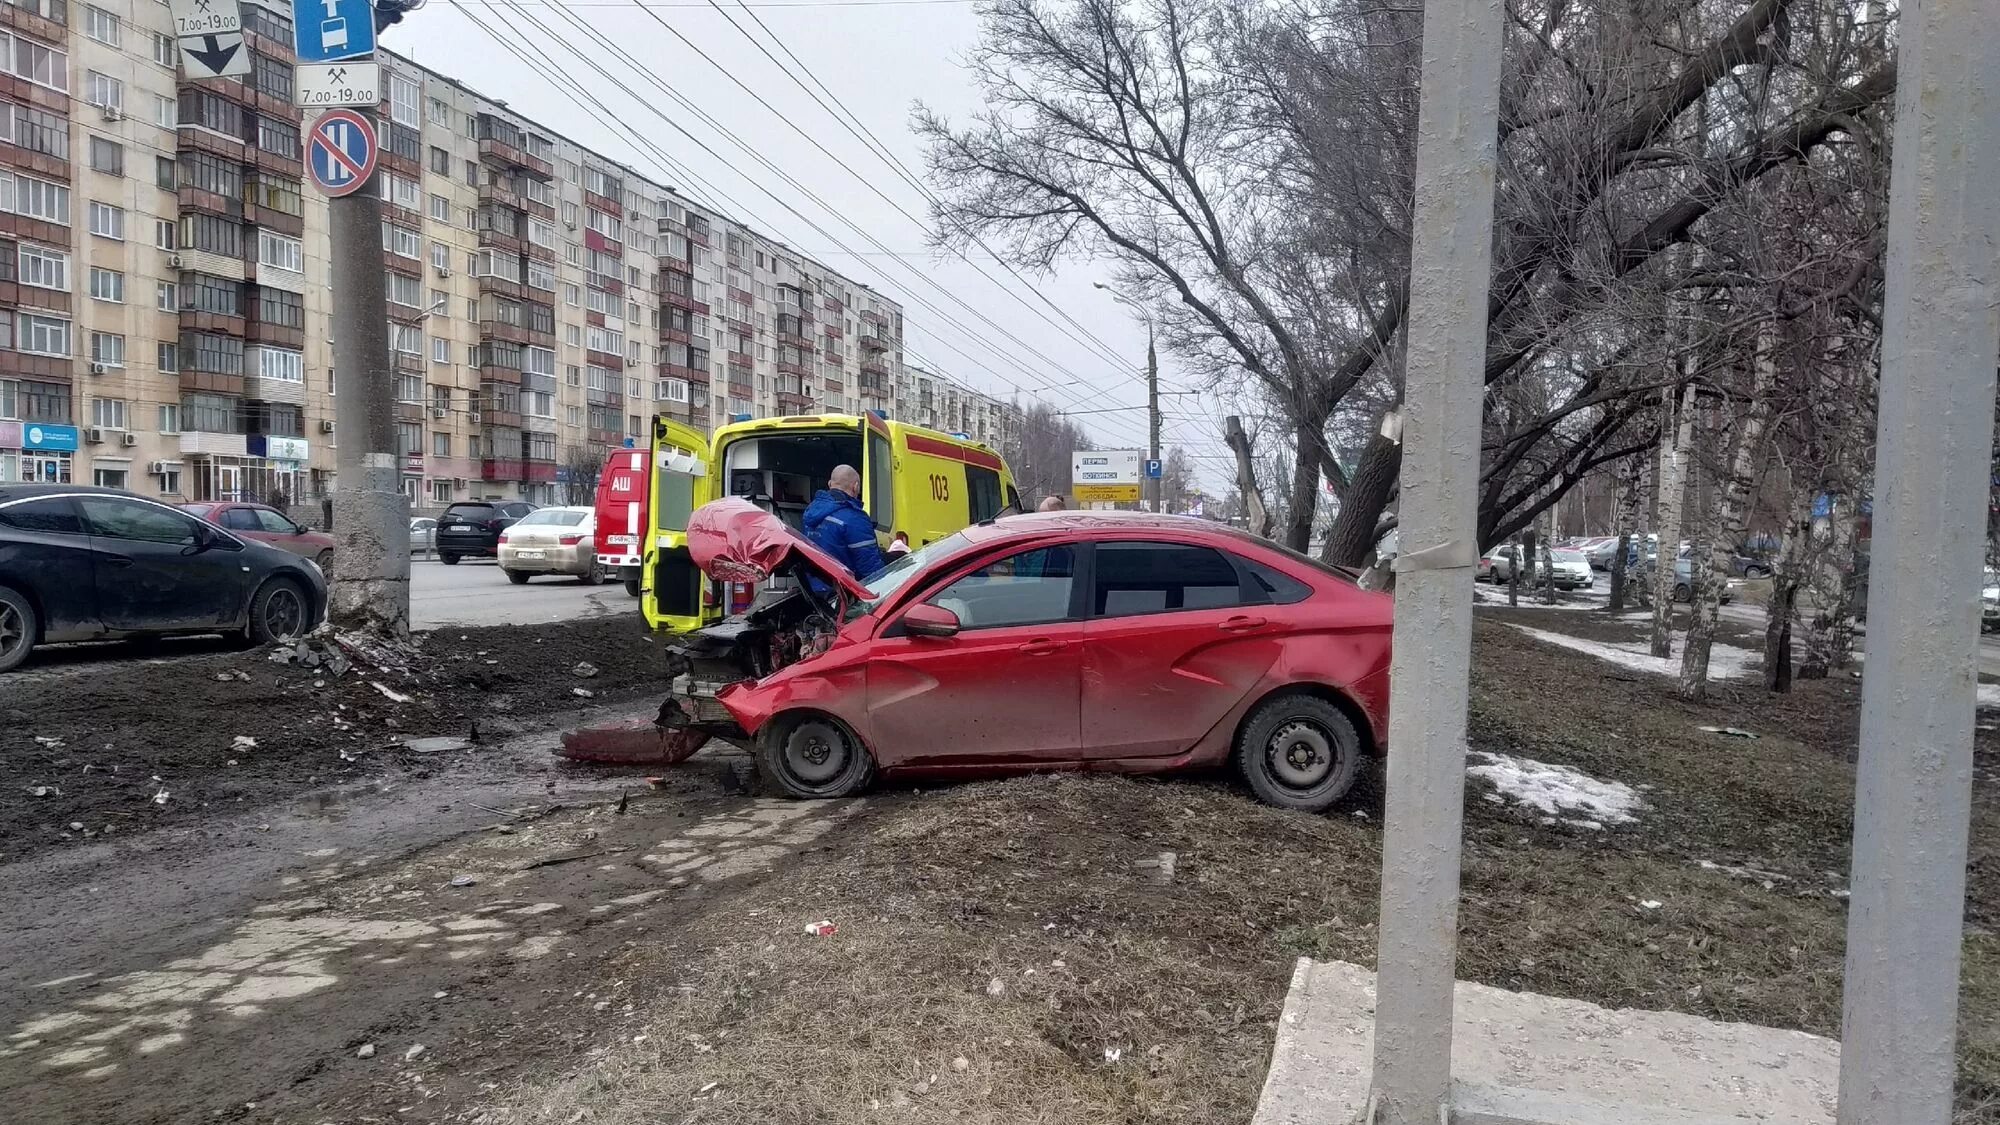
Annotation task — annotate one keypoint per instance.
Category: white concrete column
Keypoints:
(1450, 262)
(1940, 340)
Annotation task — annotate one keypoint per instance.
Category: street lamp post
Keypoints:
(1152, 484)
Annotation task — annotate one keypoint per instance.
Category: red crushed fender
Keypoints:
(632, 742)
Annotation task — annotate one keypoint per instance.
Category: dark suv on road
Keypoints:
(471, 528)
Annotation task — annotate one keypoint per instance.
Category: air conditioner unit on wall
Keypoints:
(159, 468)
(112, 113)
(437, 411)
(98, 369)
(175, 261)
(326, 425)
(94, 436)
(129, 440)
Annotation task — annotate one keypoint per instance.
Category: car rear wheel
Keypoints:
(518, 577)
(1299, 752)
(324, 559)
(814, 757)
(595, 575)
(279, 612)
(447, 558)
(631, 587)
(1681, 592)
(17, 629)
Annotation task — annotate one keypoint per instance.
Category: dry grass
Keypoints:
(1031, 882)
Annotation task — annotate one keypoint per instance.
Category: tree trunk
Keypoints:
(1548, 544)
(1246, 478)
(1709, 573)
(1674, 440)
(1514, 573)
(1785, 582)
(1624, 520)
(1830, 634)
(1308, 459)
(1531, 553)
(1368, 490)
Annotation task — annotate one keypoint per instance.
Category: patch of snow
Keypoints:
(1532, 599)
(1558, 791)
(1989, 694)
(1725, 662)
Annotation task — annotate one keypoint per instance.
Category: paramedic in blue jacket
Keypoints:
(837, 524)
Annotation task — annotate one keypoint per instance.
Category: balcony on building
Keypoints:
(503, 143)
(46, 20)
(874, 339)
(792, 331)
(877, 367)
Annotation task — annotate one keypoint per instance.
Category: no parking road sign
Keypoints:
(341, 152)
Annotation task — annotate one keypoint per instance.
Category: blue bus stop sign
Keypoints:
(331, 30)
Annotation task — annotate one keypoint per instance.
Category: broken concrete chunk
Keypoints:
(584, 668)
(435, 745)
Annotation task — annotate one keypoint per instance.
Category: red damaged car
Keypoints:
(1068, 640)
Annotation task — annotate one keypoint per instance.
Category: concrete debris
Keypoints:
(463, 881)
(960, 1063)
(1113, 1054)
(76, 826)
(584, 693)
(1161, 867)
(389, 693)
(160, 798)
(584, 668)
(996, 987)
(1651, 904)
(44, 791)
(1732, 732)
(366, 1051)
(438, 745)
(224, 677)
(242, 742)
(51, 743)
(411, 1054)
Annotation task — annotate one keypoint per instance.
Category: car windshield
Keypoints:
(554, 516)
(1571, 557)
(891, 578)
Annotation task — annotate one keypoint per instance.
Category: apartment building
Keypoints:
(930, 399)
(165, 296)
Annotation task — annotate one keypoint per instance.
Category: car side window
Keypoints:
(1030, 588)
(116, 518)
(273, 523)
(1277, 587)
(240, 519)
(1138, 578)
(53, 516)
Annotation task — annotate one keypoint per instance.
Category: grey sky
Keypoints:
(876, 58)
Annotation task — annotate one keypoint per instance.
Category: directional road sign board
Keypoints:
(196, 18)
(319, 85)
(214, 56)
(340, 152)
(331, 30)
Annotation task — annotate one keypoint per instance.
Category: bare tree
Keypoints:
(1040, 454)
(581, 467)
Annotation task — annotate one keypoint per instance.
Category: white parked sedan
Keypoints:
(551, 541)
(423, 535)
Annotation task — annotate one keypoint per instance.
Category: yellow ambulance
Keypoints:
(914, 480)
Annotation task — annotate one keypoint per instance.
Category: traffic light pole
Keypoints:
(371, 563)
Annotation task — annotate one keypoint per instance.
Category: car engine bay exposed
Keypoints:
(787, 622)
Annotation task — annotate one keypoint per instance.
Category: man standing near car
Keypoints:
(837, 524)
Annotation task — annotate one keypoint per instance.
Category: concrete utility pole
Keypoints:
(1158, 484)
(1934, 435)
(1451, 258)
(371, 565)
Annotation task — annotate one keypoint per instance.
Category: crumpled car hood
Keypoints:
(733, 540)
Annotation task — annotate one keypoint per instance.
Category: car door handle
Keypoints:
(1241, 624)
(1040, 647)
(117, 560)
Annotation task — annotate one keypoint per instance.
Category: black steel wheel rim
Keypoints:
(285, 613)
(1302, 755)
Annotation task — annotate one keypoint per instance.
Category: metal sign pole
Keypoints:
(1934, 435)
(1450, 259)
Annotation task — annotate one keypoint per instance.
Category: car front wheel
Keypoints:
(814, 757)
(279, 612)
(632, 587)
(17, 629)
(1299, 752)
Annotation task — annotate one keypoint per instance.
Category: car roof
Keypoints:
(1106, 524)
(25, 491)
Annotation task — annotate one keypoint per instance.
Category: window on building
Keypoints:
(164, 52)
(472, 172)
(400, 191)
(440, 350)
(271, 76)
(405, 98)
(103, 90)
(440, 161)
(273, 192)
(107, 285)
(107, 348)
(107, 221)
(40, 64)
(107, 156)
(43, 267)
(409, 438)
(37, 130)
(166, 296)
(279, 251)
(37, 199)
(440, 112)
(278, 136)
(403, 290)
(107, 413)
(440, 444)
(163, 234)
(208, 413)
(276, 306)
(205, 352)
(110, 478)
(169, 362)
(281, 364)
(207, 172)
(166, 174)
(170, 415)
(440, 208)
(408, 339)
(42, 335)
(202, 292)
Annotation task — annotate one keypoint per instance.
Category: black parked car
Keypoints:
(471, 528)
(82, 564)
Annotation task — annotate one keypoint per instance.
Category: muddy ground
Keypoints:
(1003, 951)
(90, 740)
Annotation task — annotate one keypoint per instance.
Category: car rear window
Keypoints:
(472, 511)
(550, 516)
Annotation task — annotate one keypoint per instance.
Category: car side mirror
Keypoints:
(926, 620)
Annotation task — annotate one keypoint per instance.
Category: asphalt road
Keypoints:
(474, 592)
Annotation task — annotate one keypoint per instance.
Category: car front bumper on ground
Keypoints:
(546, 558)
